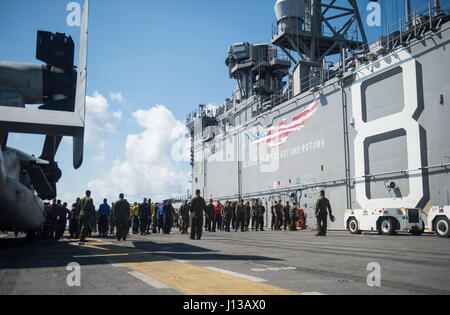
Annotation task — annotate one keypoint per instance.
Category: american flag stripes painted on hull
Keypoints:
(278, 135)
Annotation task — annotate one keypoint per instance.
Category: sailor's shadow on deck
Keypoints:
(183, 251)
(17, 254)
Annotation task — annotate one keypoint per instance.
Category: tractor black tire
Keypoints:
(353, 226)
(442, 227)
(387, 227)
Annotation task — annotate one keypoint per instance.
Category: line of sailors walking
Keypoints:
(120, 216)
(147, 216)
(237, 216)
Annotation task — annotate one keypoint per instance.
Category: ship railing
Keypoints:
(279, 55)
(316, 78)
(229, 107)
(202, 112)
(422, 20)
(300, 29)
(405, 29)
(272, 101)
(425, 18)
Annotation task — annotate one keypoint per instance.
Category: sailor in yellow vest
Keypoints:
(134, 212)
(152, 215)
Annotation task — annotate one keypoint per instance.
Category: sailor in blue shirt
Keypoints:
(160, 218)
(104, 212)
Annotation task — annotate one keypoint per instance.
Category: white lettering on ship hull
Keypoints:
(285, 153)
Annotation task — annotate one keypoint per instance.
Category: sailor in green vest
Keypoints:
(227, 214)
(210, 216)
(240, 216)
(86, 216)
(292, 217)
(112, 222)
(256, 215)
(184, 213)
(198, 206)
(248, 214)
(279, 215)
(122, 217)
(286, 222)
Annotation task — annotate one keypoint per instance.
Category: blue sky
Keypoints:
(146, 53)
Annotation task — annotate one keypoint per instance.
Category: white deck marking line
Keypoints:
(117, 266)
(235, 274)
(318, 243)
(90, 256)
(150, 281)
(349, 249)
(273, 269)
(113, 264)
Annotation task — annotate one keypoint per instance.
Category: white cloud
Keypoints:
(149, 169)
(68, 197)
(117, 97)
(100, 122)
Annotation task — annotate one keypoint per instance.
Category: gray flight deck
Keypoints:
(297, 262)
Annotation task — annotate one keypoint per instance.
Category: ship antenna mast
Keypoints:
(437, 7)
(302, 24)
(408, 13)
(305, 27)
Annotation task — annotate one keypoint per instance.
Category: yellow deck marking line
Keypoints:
(97, 242)
(93, 246)
(194, 280)
(101, 256)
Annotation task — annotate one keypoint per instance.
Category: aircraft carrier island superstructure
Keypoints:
(366, 122)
